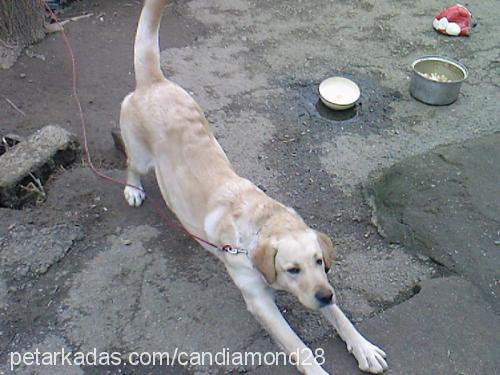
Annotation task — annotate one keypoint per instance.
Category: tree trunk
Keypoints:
(21, 23)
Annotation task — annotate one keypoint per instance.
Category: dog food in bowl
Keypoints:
(436, 77)
(436, 80)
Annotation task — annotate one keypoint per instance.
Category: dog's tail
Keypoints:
(146, 46)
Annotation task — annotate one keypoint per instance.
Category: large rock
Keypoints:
(445, 203)
(32, 160)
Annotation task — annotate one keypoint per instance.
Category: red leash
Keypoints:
(156, 205)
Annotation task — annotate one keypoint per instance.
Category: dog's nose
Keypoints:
(324, 297)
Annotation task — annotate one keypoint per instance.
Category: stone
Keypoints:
(34, 159)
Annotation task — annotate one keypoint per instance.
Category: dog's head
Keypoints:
(297, 262)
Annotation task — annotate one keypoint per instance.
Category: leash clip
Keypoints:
(232, 250)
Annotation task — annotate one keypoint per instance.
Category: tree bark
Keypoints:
(21, 23)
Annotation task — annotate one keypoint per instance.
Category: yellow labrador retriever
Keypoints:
(164, 129)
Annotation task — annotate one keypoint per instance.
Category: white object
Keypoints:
(440, 24)
(452, 29)
(339, 93)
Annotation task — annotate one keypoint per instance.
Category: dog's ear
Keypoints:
(264, 258)
(326, 245)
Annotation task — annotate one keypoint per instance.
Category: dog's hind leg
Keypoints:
(139, 162)
(133, 192)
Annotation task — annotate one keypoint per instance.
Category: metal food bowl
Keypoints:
(437, 80)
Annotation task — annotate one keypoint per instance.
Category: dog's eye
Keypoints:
(294, 270)
(319, 262)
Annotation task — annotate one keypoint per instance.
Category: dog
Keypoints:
(165, 130)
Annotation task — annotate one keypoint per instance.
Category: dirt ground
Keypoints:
(82, 270)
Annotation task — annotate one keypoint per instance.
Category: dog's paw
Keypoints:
(370, 357)
(134, 196)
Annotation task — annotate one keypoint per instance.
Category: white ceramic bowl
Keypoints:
(339, 93)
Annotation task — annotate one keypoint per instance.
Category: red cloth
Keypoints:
(453, 20)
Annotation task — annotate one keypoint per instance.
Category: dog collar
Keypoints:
(232, 250)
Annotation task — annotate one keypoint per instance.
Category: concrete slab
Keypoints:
(445, 204)
(35, 158)
(446, 329)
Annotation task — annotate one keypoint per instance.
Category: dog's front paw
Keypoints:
(370, 357)
(134, 196)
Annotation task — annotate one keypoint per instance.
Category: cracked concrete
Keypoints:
(445, 329)
(382, 276)
(3, 294)
(444, 204)
(148, 302)
(50, 344)
(28, 252)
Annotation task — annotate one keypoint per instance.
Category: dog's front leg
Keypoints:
(263, 307)
(370, 357)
